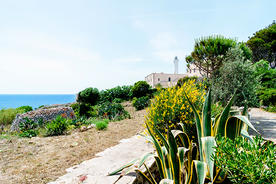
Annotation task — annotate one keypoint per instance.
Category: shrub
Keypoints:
(236, 74)
(101, 125)
(268, 96)
(28, 128)
(89, 96)
(24, 109)
(171, 107)
(112, 111)
(119, 92)
(84, 110)
(117, 100)
(7, 115)
(181, 81)
(57, 126)
(246, 162)
(140, 103)
(141, 88)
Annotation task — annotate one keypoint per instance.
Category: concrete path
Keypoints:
(94, 171)
(264, 122)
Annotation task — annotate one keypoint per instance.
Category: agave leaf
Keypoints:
(174, 159)
(160, 167)
(182, 155)
(158, 149)
(151, 177)
(198, 124)
(199, 172)
(245, 134)
(162, 139)
(144, 176)
(184, 138)
(144, 158)
(209, 144)
(206, 116)
(221, 121)
(123, 167)
(166, 181)
(234, 126)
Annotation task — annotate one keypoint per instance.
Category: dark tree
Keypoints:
(209, 52)
(263, 44)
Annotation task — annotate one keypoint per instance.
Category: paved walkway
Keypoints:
(94, 171)
(264, 122)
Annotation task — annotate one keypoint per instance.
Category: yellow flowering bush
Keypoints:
(171, 107)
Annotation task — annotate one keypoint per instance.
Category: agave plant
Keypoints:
(186, 162)
(224, 125)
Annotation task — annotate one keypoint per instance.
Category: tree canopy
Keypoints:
(263, 44)
(209, 52)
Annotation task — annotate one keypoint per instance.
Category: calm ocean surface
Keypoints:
(13, 101)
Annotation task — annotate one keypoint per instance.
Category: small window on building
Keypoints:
(169, 79)
(158, 79)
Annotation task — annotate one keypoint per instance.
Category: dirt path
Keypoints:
(264, 122)
(40, 160)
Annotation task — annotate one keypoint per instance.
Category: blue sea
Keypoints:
(34, 100)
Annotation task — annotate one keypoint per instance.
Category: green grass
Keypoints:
(7, 116)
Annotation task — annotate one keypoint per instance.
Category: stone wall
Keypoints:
(44, 114)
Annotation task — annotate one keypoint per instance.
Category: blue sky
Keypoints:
(65, 46)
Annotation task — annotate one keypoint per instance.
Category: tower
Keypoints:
(176, 65)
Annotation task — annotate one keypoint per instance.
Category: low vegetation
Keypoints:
(246, 162)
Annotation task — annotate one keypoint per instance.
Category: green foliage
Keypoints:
(236, 74)
(209, 52)
(246, 162)
(101, 125)
(181, 81)
(140, 103)
(263, 44)
(268, 96)
(7, 115)
(119, 92)
(89, 96)
(57, 126)
(271, 108)
(24, 109)
(85, 110)
(141, 88)
(179, 159)
(112, 111)
(28, 128)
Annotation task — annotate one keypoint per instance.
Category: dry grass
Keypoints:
(40, 160)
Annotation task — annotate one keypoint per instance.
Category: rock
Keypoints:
(44, 114)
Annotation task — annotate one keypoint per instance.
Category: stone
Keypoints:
(44, 114)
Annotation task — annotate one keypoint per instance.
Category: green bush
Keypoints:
(89, 96)
(29, 128)
(246, 162)
(101, 125)
(7, 115)
(141, 88)
(119, 92)
(236, 74)
(84, 110)
(140, 103)
(57, 126)
(112, 111)
(268, 96)
(25, 108)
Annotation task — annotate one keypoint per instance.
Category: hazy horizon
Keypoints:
(62, 47)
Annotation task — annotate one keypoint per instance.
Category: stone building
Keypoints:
(168, 80)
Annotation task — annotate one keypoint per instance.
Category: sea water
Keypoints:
(34, 100)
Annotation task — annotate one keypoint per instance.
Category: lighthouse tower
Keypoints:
(176, 65)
